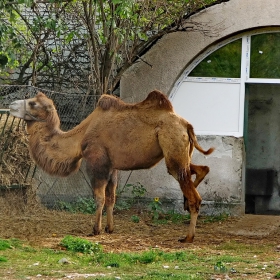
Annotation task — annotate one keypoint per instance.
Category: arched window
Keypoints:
(210, 93)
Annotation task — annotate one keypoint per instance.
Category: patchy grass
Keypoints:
(229, 259)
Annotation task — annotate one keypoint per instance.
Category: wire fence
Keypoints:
(18, 171)
(16, 166)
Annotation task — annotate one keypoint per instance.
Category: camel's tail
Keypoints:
(194, 140)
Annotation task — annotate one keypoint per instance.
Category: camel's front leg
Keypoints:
(98, 170)
(99, 197)
(110, 201)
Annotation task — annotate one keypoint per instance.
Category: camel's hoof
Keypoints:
(107, 230)
(186, 240)
(95, 232)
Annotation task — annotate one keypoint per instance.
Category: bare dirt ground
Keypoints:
(42, 227)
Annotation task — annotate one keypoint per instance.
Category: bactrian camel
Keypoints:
(115, 136)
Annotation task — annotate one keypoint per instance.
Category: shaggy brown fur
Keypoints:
(115, 136)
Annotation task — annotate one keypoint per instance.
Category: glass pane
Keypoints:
(223, 63)
(218, 114)
(265, 56)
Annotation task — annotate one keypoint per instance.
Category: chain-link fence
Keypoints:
(16, 167)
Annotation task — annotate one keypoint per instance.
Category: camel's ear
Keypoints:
(41, 94)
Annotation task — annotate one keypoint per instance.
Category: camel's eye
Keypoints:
(32, 103)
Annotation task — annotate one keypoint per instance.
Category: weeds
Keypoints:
(220, 267)
(82, 205)
(216, 218)
(135, 219)
(3, 259)
(76, 244)
(5, 244)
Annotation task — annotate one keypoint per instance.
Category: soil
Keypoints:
(46, 228)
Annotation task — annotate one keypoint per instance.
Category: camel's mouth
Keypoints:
(13, 110)
(16, 109)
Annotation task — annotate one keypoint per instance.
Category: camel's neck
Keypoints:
(55, 151)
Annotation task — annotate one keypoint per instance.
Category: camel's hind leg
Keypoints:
(183, 176)
(175, 146)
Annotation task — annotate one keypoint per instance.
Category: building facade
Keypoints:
(223, 76)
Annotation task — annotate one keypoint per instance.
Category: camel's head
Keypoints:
(36, 109)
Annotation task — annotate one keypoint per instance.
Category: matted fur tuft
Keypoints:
(107, 102)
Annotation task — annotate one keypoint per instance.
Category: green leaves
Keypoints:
(51, 39)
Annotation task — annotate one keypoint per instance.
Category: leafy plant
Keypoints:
(135, 219)
(122, 204)
(137, 192)
(76, 244)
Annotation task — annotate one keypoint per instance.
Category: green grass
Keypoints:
(81, 256)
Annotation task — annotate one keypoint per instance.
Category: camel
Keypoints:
(115, 136)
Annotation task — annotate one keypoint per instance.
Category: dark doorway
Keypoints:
(262, 146)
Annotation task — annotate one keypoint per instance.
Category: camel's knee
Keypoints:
(195, 206)
(192, 199)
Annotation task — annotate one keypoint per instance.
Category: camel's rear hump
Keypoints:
(158, 100)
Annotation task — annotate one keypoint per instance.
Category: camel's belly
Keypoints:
(138, 160)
